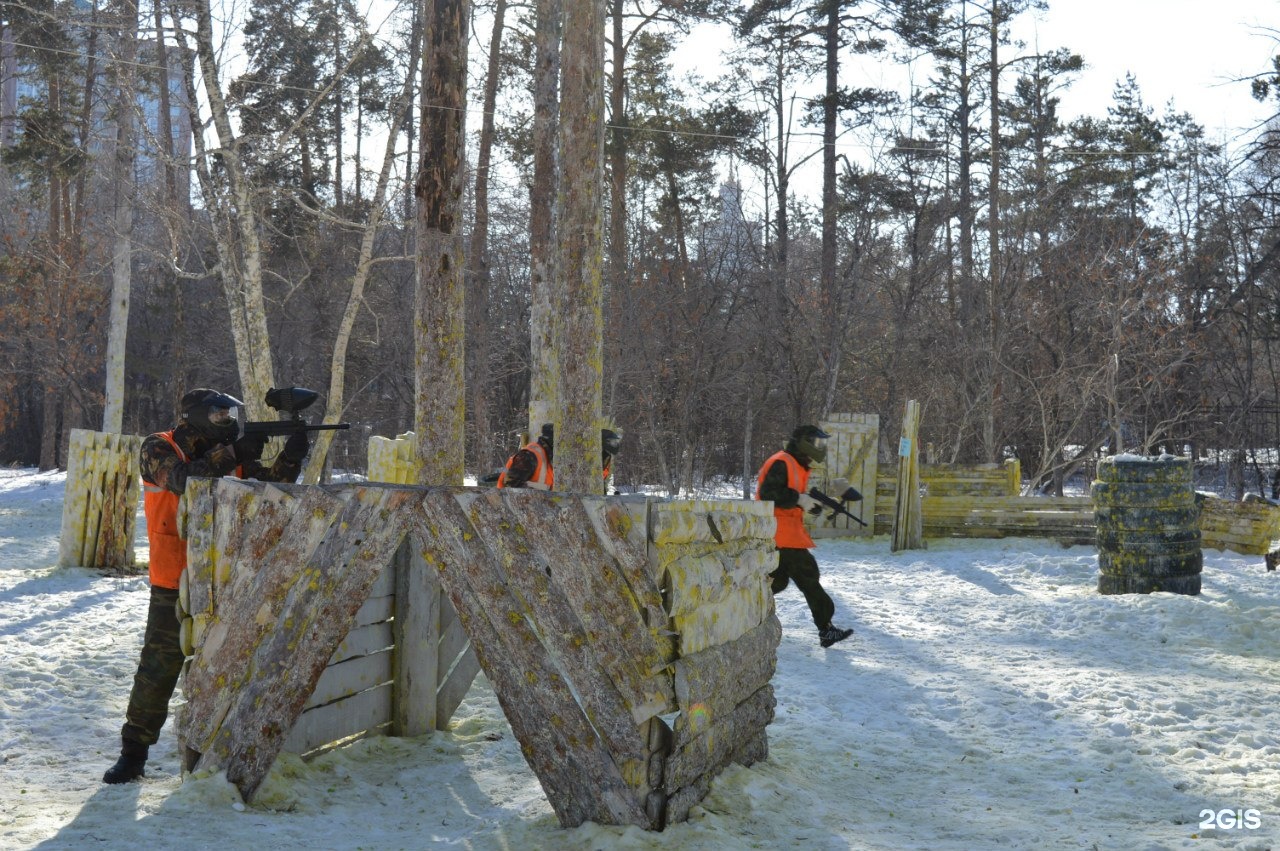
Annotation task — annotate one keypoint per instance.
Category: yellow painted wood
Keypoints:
(100, 506)
(907, 529)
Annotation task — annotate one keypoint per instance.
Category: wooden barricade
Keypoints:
(852, 461)
(1249, 528)
(392, 459)
(100, 509)
(630, 641)
(983, 501)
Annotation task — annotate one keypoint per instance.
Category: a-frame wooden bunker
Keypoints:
(630, 641)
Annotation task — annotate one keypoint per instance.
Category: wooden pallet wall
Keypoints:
(630, 641)
(100, 510)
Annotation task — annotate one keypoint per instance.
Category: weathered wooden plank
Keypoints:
(376, 610)
(709, 685)
(75, 503)
(363, 712)
(351, 676)
(313, 592)
(715, 745)
(748, 752)
(581, 780)
(200, 503)
(545, 544)
(621, 525)
(602, 595)
(240, 506)
(456, 663)
(737, 612)
(93, 514)
(417, 629)
(455, 685)
(363, 640)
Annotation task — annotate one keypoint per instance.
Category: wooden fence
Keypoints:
(100, 506)
(630, 641)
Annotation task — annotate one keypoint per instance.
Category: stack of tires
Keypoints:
(1148, 526)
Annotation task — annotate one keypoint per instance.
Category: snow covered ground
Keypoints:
(990, 698)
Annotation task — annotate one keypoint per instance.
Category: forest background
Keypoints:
(780, 240)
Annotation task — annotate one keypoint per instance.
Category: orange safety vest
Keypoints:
(160, 506)
(791, 532)
(168, 551)
(543, 476)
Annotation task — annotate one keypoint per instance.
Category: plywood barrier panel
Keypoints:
(598, 620)
(285, 612)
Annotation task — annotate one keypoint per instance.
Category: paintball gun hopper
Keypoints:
(290, 401)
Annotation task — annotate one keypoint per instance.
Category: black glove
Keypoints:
(249, 447)
(295, 448)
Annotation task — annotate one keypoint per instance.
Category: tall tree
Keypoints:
(478, 276)
(122, 181)
(440, 295)
(579, 303)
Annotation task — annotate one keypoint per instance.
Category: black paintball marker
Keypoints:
(836, 506)
(291, 401)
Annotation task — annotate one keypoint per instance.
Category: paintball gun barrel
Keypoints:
(837, 506)
(291, 401)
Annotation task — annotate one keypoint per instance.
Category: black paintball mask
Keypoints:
(213, 415)
(811, 442)
(610, 442)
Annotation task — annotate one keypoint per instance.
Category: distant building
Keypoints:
(18, 87)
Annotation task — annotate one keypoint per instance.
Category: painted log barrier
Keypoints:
(1148, 535)
(630, 641)
(99, 513)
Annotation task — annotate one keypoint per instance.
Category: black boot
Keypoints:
(829, 635)
(133, 757)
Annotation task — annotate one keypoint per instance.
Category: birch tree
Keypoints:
(543, 384)
(123, 185)
(232, 205)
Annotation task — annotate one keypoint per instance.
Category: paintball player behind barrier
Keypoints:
(204, 443)
(610, 443)
(784, 481)
(530, 467)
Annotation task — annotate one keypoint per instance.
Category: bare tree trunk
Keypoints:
(830, 343)
(478, 261)
(579, 306)
(239, 248)
(619, 136)
(123, 186)
(996, 305)
(440, 302)
(543, 383)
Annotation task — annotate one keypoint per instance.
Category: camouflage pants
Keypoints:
(158, 670)
(799, 566)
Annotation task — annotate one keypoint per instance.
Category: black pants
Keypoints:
(799, 566)
(158, 670)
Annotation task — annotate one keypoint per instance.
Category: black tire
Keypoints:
(1139, 564)
(1150, 470)
(1141, 518)
(1155, 494)
(1189, 585)
(1153, 542)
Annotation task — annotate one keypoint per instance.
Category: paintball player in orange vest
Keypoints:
(531, 466)
(204, 443)
(784, 481)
